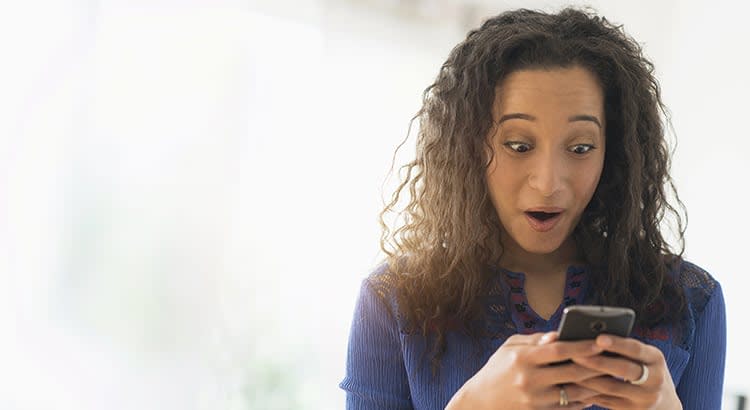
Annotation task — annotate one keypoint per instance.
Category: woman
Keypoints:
(541, 180)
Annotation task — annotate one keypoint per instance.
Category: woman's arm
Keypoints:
(701, 384)
(375, 373)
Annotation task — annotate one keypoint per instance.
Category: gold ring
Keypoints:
(563, 396)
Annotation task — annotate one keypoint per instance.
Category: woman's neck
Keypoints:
(516, 259)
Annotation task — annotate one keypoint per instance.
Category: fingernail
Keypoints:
(604, 341)
(547, 337)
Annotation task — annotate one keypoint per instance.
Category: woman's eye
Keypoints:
(581, 148)
(518, 146)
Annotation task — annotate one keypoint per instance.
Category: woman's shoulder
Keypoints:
(382, 280)
(381, 284)
(698, 284)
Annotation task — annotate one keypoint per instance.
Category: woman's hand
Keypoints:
(519, 376)
(656, 392)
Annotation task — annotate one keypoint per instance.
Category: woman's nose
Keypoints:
(546, 175)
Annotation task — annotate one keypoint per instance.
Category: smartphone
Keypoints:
(581, 322)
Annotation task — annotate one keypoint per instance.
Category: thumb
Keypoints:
(548, 337)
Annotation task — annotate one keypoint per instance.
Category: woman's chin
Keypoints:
(542, 250)
(542, 247)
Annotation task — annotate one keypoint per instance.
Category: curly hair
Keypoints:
(448, 233)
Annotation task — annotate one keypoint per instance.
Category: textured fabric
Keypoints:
(388, 366)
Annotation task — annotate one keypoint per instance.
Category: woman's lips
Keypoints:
(540, 225)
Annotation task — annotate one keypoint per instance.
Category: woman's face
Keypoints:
(548, 155)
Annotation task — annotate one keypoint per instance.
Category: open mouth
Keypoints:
(541, 221)
(542, 216)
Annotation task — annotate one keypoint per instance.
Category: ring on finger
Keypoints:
(563, 396)
(643, 378)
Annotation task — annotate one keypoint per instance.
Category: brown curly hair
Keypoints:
(448, 234)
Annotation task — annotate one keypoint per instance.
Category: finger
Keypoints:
(610, 402)
(621, 367)
(561, 351)
(629, 347)
(547, 338)
(577, 396)
(520, 339)
(563, 374)
(606, 385)
(571, 406)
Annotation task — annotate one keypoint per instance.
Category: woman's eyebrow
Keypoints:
(584, 117)
(522, 116)
(514, 116)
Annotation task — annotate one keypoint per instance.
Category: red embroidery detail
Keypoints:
(659, 333)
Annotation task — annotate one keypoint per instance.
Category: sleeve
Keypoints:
(701, 385)
(375, 373)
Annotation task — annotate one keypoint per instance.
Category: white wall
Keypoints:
(190, 189)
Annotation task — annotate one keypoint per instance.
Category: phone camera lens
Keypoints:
(598, 326)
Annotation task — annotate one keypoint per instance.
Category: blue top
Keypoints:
(388, 367)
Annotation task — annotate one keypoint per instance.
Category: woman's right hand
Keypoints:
(519, 376)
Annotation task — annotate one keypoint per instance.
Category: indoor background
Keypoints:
(189, 189)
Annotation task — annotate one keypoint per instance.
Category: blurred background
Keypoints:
(189, 189)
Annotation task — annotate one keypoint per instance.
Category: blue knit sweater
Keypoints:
(388, 366)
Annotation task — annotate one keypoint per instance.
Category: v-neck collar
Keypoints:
(524, 317)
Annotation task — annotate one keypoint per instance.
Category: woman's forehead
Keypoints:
(563, 91)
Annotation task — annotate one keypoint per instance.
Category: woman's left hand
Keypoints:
(615, 392)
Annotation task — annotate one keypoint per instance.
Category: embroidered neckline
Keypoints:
(526, 320)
